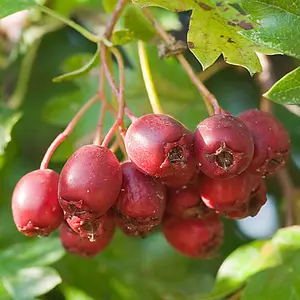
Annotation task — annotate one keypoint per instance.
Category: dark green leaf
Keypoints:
(287, 89)
(279, 23)
(28, 283)
(82, 70)
(122, 37)
(8, 7)
(138, 24)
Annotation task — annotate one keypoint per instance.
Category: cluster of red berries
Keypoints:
(180, 180)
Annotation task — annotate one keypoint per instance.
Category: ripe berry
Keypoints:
(142, 199)
(271, 142)
(197, 238)
(91, 228)
(90, 182)
(133, 230)
(35, 206)
(186, 203)
(256, 200)
(225, 195)
(223, 145)
(75, 244)
(159, 145)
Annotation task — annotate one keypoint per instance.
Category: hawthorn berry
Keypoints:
(223, 146)
(160, 146)
(133, 230)
(271, 142)
(196, 238)
(75, 244)
(90, 182)
(186, 203)
(91, 228)
(225, 195)
(257, 198)
(35, 207)
(142, 199)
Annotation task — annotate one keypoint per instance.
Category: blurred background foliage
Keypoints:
(33, 110)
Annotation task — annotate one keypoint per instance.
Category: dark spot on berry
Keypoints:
(225, 159)
(176, 154)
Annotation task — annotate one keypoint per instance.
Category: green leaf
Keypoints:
(8, 118)
(279, 23)
(72, 293)
(82, 70)
(39, 252)
(122, 37)
(138, 24)
(109, 5)
(8, 7)
(287, 89)
(280, 283)
(28, 283)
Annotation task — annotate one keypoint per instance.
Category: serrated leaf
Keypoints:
(32, 253)
(211, 35)
(28, 283)
(287, 89)
(138, 24)
(122, 37)
(279, 23)
(81, 71)
(8, 7)
(8, 118)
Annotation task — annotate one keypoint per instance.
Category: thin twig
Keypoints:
(148, 80)
(209, 99)
(62, 136)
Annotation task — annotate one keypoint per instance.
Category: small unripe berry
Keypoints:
(90, 182)
(223, 146)
(159, 145)
(271, 142)
(35, 206)
(196, 238)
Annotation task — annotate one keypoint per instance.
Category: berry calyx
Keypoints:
(186, 203)
(225, 195)
(271, 142)
(92, 228)
(223, 146)
(196, 238)
(159, 145)
(142, 199)
(75, 244)
(90, 182)
(35, 207)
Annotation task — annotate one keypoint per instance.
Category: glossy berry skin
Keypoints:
(224, 146)
(196, 238)
(90, 182)
(257, 198)
(142, 199)
(91, 228)
(35, 207)
(271, 142)
(159, 145)
(225, 195)
(75, 244)
(186, 203)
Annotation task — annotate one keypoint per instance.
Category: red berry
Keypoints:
(35, 206)
(257, 198)
(142, 199)
(159, 145)
(75, 244)
(186, 203)
(271, 142)
(133, 230)
(223, 145)
(225, 195)
(90, 182)
(91, 228)
(197, 238)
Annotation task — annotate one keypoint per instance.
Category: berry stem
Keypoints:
(62, 136)
(148, 80)
(209, 99)
(80, 29)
